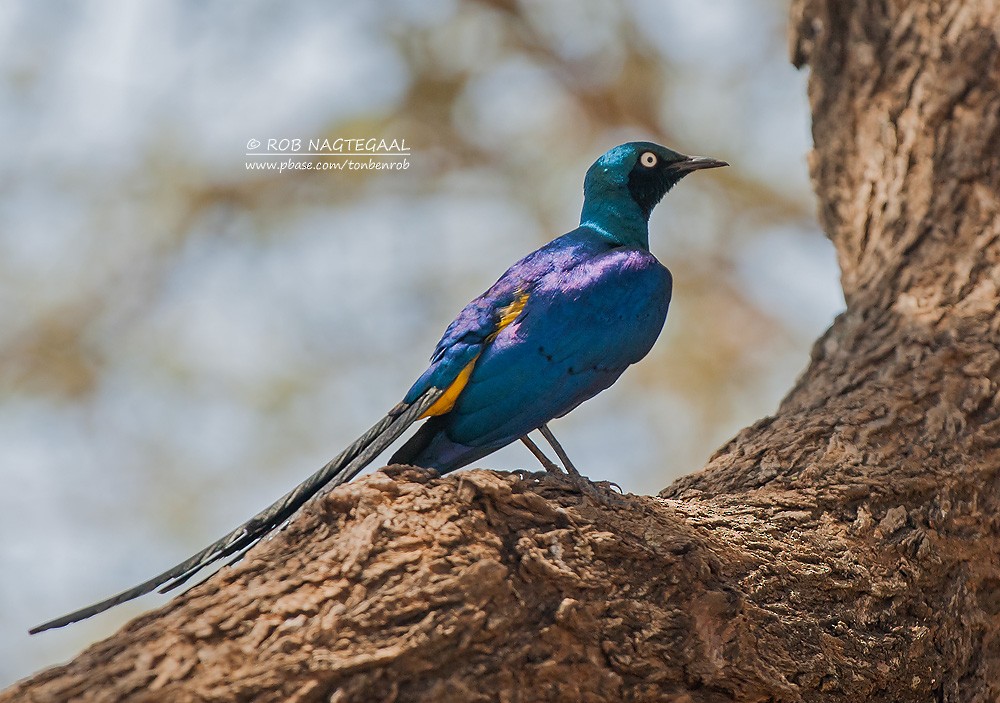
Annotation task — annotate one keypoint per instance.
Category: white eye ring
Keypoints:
(648, 159)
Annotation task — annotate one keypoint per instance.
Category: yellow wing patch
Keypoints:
(447, 401)
(509, 313)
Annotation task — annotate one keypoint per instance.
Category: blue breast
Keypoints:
(593, 310)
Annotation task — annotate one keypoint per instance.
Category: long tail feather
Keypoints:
(341, 469)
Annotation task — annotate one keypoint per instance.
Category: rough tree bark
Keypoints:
(845, 549)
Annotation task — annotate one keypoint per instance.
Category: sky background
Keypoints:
(182, 339)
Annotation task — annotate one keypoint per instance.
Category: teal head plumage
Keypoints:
(626, 183)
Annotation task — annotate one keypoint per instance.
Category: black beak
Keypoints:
(696, 163)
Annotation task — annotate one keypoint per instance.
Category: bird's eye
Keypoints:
(648, 159)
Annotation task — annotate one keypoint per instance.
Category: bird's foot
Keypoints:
(610, 486)
(600, 492)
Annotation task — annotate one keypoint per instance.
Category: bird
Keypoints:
(557, 328)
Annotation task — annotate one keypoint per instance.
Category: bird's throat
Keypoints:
(619, 220)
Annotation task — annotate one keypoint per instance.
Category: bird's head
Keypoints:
(625, 184)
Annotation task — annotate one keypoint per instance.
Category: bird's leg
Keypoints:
(560, 452)
(547, 463)
(582, 484)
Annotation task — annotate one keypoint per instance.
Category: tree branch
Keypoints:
(845, 549)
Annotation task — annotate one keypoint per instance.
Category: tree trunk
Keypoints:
(845, 549)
